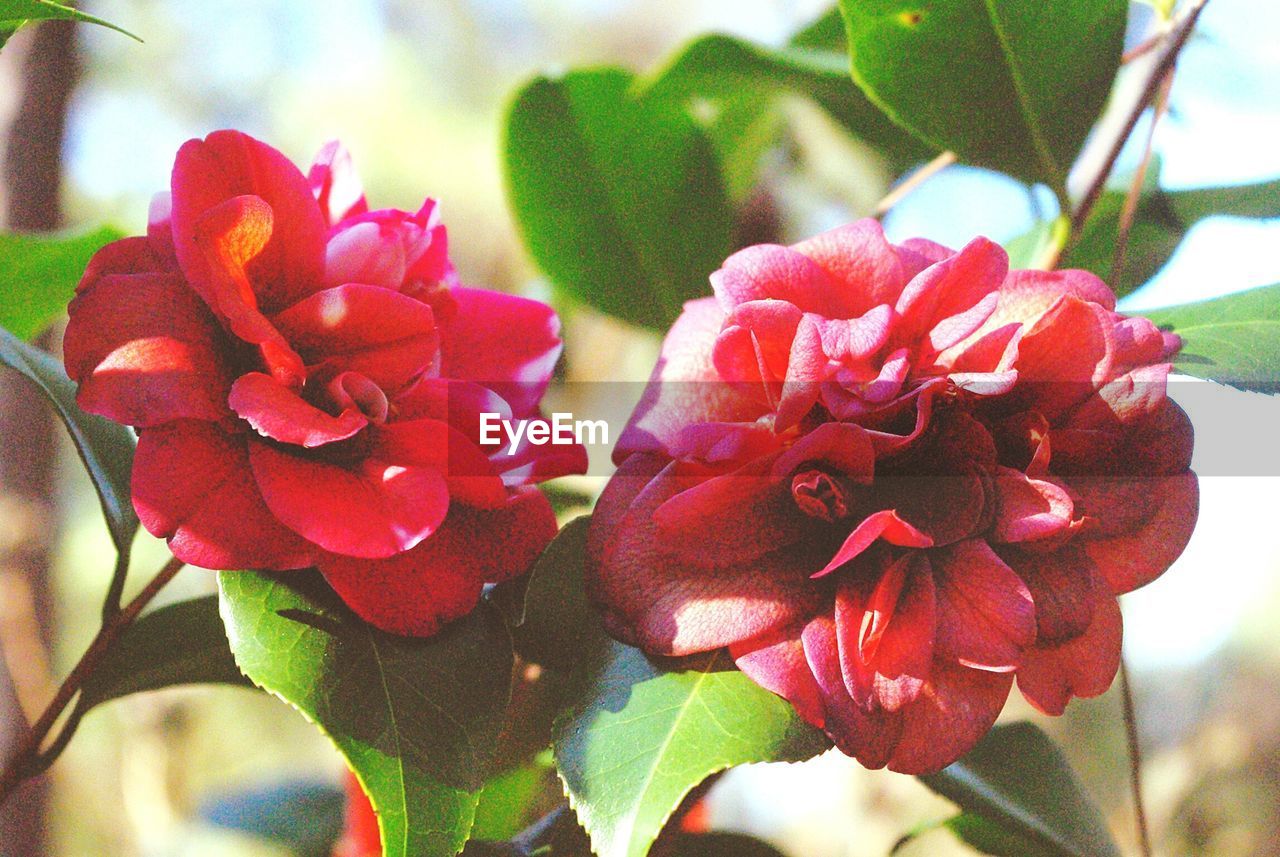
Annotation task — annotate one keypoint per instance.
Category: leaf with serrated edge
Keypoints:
(417, 719)
(640, 734)
(1234, 339)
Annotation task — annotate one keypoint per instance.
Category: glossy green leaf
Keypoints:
(38, 276)
(553, 623)
(717, 67)
(182, 643)
(1005, 84)
(15, 12)
(1018, 779)
(106, 448)
(1233, 340)
(417, 719)
(619, 197)
(639, 734)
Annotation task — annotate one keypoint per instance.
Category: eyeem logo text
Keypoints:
(563, 429)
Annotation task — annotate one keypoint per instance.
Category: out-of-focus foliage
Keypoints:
(38, 276)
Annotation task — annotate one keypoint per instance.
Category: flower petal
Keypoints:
(1133, 559)
(1028, 509)
(228, 164)
(192, 485)
(953, 711)
(335, 184)
(774, 272)
(986, 617)
(372, 511)
(885, 524)
(277, 412)
(1084, 666)
(146, 350)
(414, 593)
(869, 270)
(777, 663)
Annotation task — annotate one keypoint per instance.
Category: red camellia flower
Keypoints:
(892, 478)
(306, 378)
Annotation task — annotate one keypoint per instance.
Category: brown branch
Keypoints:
(20, 766)
(1171, 46)
(1135, 761)
(1130, 207)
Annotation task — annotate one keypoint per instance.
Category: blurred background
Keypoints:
(417, 90)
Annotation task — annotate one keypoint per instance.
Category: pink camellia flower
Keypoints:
(306, 378)
(891, 479)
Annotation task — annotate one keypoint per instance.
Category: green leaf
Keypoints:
(1017, 779)
(639, 734)
(1233, 340)
(183, 643)
(507, 800)
(38, 276)
(417, 719)
(106, 448)
(619, 197)
(15, 12)
(1005, 84)
(719, 68)
(553, 623)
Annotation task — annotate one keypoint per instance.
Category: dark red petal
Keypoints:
(1085, 666)
(277, 412)
(985, 613)
(388, 337)
(777, 663)
(372, 511)
(145, 350)
(228, 164)
(845, 448)
(505, 342)
(192, 485)
(1136, 558)
(1029, 509)
(1063, 587)
(668, 605)
(885, 630)
(414, 593)
(954, 710)
(885, 524)
(867, 735)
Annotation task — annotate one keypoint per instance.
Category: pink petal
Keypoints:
(1029, 509)
(986, 617)
(192, 485)
(883, 524)
(951, 299)
(774, 272)
(145, 350)
(335, 184)
(1065, 356)
(372, 511)
(843, 447)
(229, 164)
(277, 412)
(507, 343)
(777, 663)
(869, 270)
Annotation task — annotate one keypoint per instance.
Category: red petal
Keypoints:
(885, 629)
(1085, 666)
(471, 475)
(507, 343)
(1065, 356)
(777, 663)
(372, 511)
(954, 710)
(668, 605)
(416, 592)
(228, 164)
(1062, 586)
(192, 484)
(386, 336)
(985, 613)
(774, 272)
(277, 412)
(883, 524)
(145, 350)
(950, 300)
(1136, 558)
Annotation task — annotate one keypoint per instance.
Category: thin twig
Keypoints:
(1135, 761)
(1130, 207)
(914, 181)
(19, 767)
(1172, 44)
